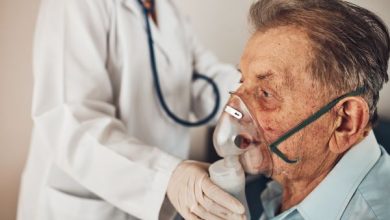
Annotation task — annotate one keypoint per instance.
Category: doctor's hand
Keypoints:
(194, 196)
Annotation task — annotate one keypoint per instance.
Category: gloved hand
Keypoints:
(194, 196)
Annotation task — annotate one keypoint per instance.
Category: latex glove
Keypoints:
(194, 196)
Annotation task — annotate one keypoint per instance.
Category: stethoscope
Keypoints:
(196, 76)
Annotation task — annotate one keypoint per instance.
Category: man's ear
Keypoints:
(352, 117)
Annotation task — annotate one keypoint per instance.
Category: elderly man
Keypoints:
(311, 76)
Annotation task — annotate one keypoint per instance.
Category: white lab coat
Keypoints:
(102, 147)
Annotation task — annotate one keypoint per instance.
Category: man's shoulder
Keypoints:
(373, 192)
(379, 175)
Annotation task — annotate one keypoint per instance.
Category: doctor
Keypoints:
(103, 148)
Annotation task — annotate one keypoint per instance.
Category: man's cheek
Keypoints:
(273, 130)
(268, 122)
(292, 147)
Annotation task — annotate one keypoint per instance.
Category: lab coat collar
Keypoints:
(336, 190)
(166, 24)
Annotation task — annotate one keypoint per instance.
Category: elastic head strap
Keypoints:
(309, 120)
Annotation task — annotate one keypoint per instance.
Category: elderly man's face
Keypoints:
(278, 88)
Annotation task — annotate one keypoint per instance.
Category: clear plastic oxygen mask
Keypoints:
(237, 131)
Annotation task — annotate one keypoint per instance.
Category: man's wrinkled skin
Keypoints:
(282, 92)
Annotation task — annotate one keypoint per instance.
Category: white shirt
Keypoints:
(356, 188)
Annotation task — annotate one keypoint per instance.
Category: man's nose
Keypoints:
(241, 90)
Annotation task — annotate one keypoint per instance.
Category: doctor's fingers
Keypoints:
(214, 211)
(218, 202)
(205, 207)
(210, 209)
(192, 216)
(202, 213)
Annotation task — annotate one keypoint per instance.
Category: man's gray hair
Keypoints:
(350, 44)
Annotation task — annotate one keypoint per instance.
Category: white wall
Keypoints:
(220, 24)
(381, 8)
(16, 27)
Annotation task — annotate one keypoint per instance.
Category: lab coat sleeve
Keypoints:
(224, 75)
(73, 110)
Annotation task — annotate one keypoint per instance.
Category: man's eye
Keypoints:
(266, 94)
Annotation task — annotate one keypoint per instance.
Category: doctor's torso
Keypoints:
(132, 81)
(88, 66)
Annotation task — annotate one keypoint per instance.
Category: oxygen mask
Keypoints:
(237, 131)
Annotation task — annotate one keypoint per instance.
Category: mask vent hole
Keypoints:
(242, 142)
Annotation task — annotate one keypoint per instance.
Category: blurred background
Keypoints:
(220, 24)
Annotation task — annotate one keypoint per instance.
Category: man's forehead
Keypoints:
(265, 75)
(265, 68)
(278, 53)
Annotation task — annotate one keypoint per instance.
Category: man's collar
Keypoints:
(330, 198)
(271, 198)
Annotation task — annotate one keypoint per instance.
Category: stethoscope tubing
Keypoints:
(156, 80)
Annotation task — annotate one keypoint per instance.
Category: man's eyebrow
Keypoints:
(265, 75)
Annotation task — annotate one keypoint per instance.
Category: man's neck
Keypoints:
(295, 191)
